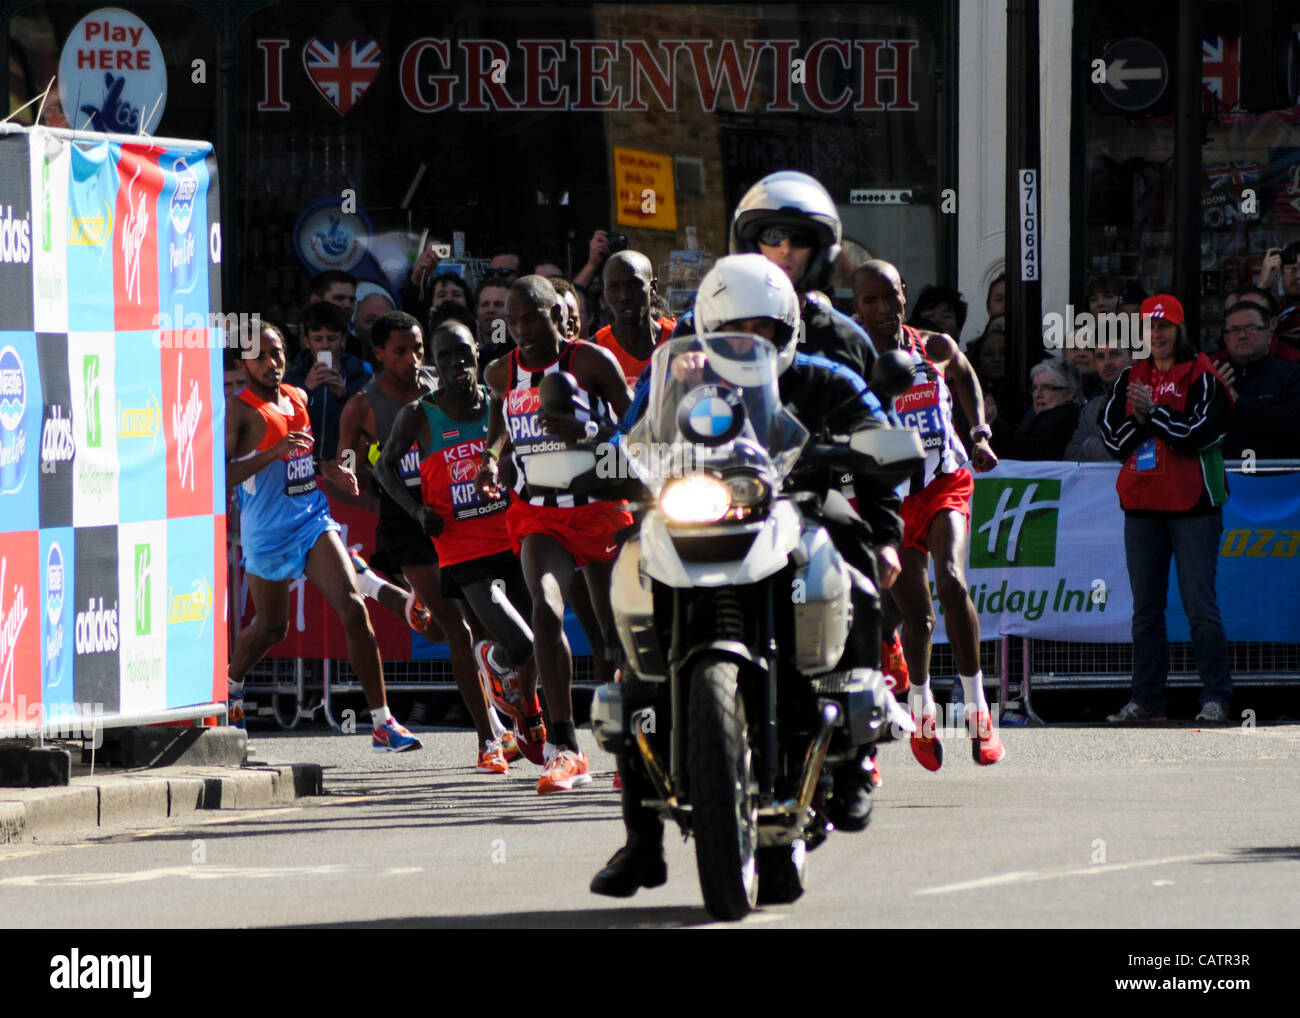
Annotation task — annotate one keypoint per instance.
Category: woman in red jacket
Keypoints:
(1165, 418)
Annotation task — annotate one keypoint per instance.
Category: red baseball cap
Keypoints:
(1164, 305)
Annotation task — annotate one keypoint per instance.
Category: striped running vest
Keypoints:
(527, 437)
(927, 407)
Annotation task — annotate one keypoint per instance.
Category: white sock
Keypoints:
(234, 688)
(494, 721)
(973, 687)
(920, 699)
(380, 716)
(370, 584)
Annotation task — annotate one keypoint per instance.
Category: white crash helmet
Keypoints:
(791, 199)
(749, 286)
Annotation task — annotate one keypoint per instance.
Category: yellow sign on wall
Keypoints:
(643, 186)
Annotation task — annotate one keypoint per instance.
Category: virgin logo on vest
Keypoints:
(523, 401)
(464, 470)
(96, 628)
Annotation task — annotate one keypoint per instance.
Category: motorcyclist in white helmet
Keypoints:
(748, 293)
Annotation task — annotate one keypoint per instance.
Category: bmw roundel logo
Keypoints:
(711, 415)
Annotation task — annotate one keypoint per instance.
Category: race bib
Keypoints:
(919, 408)
(300, 475)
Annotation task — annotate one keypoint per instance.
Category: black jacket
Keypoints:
(1266, 416)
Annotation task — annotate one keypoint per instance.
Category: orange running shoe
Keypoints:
(894, 665)
(491, 760)
(985, 745)
(926, 746)
(564, 771)
(510, 746)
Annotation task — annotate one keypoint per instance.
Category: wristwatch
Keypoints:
(980, 431)
(590, 430)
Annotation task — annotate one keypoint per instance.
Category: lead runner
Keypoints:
(936, 509)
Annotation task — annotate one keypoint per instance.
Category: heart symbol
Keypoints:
(341, 72)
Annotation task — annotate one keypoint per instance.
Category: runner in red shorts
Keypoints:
(936, 509)
(556, 532)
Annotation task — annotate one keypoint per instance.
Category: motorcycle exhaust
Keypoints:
(816, 755)
(658, 776)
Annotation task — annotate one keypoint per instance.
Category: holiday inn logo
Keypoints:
(1013, 522)
(143, 576)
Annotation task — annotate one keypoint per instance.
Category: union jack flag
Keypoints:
(341, 73)
(1220, 69)
(1232, 174)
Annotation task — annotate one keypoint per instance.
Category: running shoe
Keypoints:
(564, 771)
(871, 766)
(1215, 713)
(510, 746)
(894, 665)
(503, 685)
(985, 745)
(418, 616)
(393, 738)
(235, 711)
(926, 746)
(532, 738)
(491, 759)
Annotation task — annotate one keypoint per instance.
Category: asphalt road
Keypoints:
(1079, 827)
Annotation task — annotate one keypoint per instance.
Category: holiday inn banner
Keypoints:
(112, 492)
(1046, 557)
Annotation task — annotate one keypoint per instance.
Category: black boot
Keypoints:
(639, 863)
(850, 806)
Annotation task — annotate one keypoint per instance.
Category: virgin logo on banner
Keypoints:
(135, 241)
(20, 622)
(1046, 557)
(187, 419)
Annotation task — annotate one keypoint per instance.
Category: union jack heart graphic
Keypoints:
(341, 72)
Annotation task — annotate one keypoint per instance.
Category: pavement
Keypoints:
(108, 797)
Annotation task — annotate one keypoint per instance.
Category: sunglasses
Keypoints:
(503, 273)
(773, 236)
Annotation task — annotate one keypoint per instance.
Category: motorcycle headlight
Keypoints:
(700, 498)
(746, 490)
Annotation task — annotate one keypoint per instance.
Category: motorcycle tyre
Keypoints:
(724, 809)
(782, 870)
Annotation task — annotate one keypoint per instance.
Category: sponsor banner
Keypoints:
(51, 164)
(15, 233)
(182, 218)
(216, 689)
(58, 439)
(92, 217)
(142, 585)
(92, 372)
(217, 385)
(20, 624)
(138, 419)
(212, 200)
(58, 611)
(192, 611)
(187, 387)
(96, 617)
(1046, 557)
(20, 430)
(135, 239)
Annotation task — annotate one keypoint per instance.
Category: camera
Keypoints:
(617, 242)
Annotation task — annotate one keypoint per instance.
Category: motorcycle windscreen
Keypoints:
(711, 397)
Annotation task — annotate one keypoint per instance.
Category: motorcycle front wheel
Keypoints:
(723, 801)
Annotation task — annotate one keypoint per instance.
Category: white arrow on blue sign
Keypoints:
(1136, 74)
